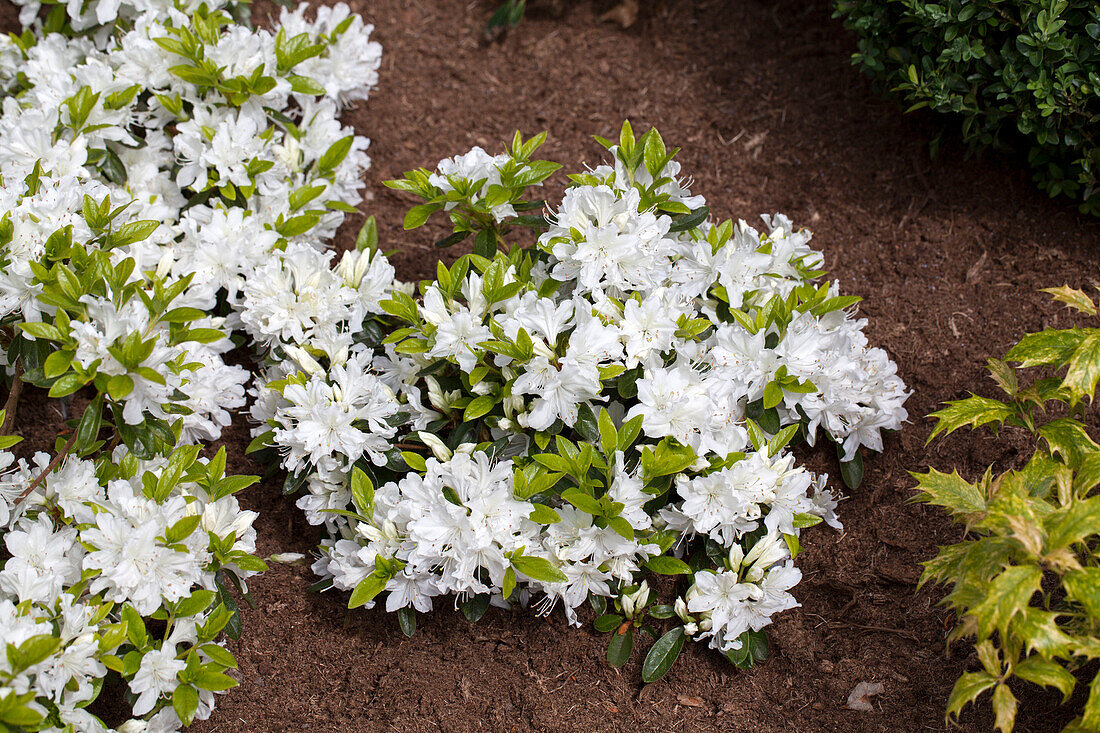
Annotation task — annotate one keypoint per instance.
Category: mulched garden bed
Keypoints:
(948, 255)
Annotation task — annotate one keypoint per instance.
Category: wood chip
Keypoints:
(625, 14)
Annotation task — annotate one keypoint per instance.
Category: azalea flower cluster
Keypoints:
(138, 540)
(548, 424)
(154, 155)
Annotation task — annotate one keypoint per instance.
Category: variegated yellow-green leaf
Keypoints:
(1003, 375)
(1067, 437)
(1044, 672)
(1084, 367)
(1040, 632)
(1072, 523)
(1083, 586)
(973, 411)
(1007, 595)
(1090, 716)
(1072, 297)
(1004, 708)
(1046, 347)
(951, 492)
(966, 690)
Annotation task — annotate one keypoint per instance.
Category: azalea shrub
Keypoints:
(152, 157)
(560, 424)
(1025, 580)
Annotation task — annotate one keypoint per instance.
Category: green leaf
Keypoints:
(32, 651)
(538, 568)
(1044, 672)
(773, 395)
(362, 492)
(368, 588)
(335, 155)
(1051, 346)
(1007, 595)
(367, 239)
(620, 648)
(608, 622)
(419, 214)
(478, 407)
(214, 681)
(415, 461)
(609, 437)
(1084, 367)
(543, 514)
(621, 527)
(690, 221)
(973, 411)
(951, 492)
(406, 619)
(665, 565)
(1069, 439)
(305, 85)
(41, 330)
(966, 690)
(754, 649)
(1073, 523)
(182, 529)
(1083, 586)
(1041, 632)
(780, 440)
(185, 701)
(1073, 298)
(219, 655)
(1090, 717)
(582, 501)
(1004, 708)
(851, 472)
(629, 432)
(662, 655)
(474, 608)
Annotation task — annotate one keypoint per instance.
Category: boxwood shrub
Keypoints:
(1022, 75)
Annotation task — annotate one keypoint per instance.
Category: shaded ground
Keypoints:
(948, 256)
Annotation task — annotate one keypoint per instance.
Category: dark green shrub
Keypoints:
(1022, 75)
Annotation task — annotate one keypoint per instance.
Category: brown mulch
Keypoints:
(948, 255)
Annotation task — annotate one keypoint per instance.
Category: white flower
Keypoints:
(156, 677)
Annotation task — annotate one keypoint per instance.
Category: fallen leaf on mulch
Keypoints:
(625, 13)
(691, 702)
(860, 697)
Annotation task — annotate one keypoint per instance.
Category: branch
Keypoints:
(13, 400)
(46, 471)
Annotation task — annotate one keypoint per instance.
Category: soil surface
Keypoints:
(948, 255)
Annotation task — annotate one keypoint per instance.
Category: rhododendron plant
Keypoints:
(549, 425)
(154, 156)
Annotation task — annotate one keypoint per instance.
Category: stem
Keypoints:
(13, 399)
(46, 472)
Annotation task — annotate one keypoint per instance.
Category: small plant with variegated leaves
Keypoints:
(1025, 581)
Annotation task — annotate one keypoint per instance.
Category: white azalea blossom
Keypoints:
(553, 423)
(169, 181)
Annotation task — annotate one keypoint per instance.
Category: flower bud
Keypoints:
(439, 449)
(308, 364)
(286, 558)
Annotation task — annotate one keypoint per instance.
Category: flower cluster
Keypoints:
(154, 157)
(157, 539)
(548, 424)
